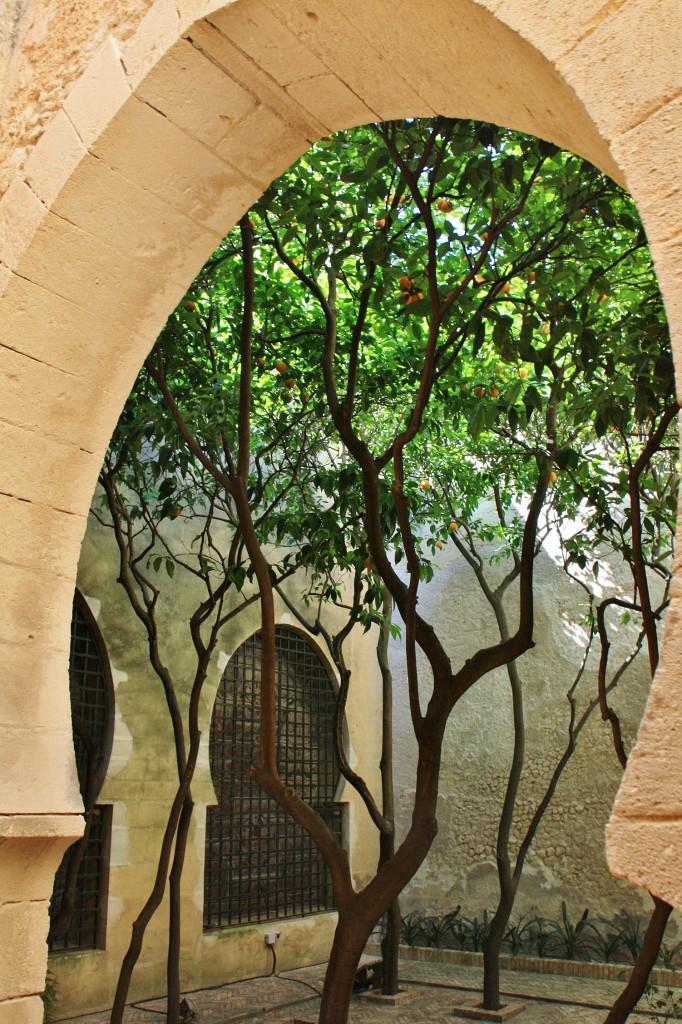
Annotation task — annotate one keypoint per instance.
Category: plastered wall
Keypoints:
(142, 777)
(126, 160)
(567, 859)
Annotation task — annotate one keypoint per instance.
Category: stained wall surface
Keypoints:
(141, 780)
(135, 153)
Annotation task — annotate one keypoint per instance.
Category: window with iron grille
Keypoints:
(76, 909)
(260, 864)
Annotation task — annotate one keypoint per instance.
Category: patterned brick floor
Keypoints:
(548, 999)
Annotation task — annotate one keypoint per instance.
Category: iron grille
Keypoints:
(261, 865)
(83, 931)
(79, 925)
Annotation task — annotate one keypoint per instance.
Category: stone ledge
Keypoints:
(534, 965)
(472, 1009)
(403, 995)
(42, 826)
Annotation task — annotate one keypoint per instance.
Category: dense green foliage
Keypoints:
(417, 319)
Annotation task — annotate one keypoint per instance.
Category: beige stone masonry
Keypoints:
(157, 32)
(556, 35)
(207, 36)
(654, 152)
(195, 94)
(33, 527)
(68, 471)
(331, 102)
(268, 42)
(21, 214)
(326, 41)
(98, 202)
(99, 93)
(55, 159)
(149, 150)
(65, 342)
(262, 127)
(23, 750)
(22, 1011)
(610, 62)
(177, 151)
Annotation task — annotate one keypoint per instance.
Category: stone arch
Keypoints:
(167, 136)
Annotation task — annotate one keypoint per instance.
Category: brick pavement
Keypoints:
(548, 999)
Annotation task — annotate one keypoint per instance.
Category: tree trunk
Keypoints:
(391, 940)
(634, 990)
(174, 920)
(507, 879)
(155, 897)
(389, 951)
(491, 954)
(352, 932)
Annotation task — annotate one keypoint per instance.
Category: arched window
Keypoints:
(76, 909)
(261, 865)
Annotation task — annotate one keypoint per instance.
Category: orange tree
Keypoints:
(389, 265)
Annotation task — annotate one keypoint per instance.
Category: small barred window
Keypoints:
(260, 864)
(76, 910)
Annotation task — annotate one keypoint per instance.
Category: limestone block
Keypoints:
(37, 770)
(28, 1010)
(51, 392)
(499, 76)
(331, 101)
(647, 853)
(98, 93)
(21, 213)
(149, 150)
(221, 49)
(195, 94)
(33, 669)
(101, 203)
(667, 259)
(23, 929)
(538, 22)
(89, 271)
(629, 66)
(54, 159)
(27, 533)
(31, 849)
(353, 55)
(269, 41)
(262, 128)
(157, 31)
(650, 789)
(62, 333)
(68, 473)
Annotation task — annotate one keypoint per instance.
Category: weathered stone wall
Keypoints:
(568, 858)
(141, 780)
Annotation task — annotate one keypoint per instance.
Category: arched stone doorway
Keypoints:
(167, 136)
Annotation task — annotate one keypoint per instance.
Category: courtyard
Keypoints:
(433, 992)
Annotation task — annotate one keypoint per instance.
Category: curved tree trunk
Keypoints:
(175, 908)
(491, 953)
(634, 990)
(155, 897)
(391, 940)
(508, 879)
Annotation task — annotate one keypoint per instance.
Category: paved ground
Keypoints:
(439, 988)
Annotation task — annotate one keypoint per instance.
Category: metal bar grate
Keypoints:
(83, 931)
(91, 715)
(260, 865)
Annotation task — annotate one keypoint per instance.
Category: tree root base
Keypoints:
(472, 1009)
(403, 995)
